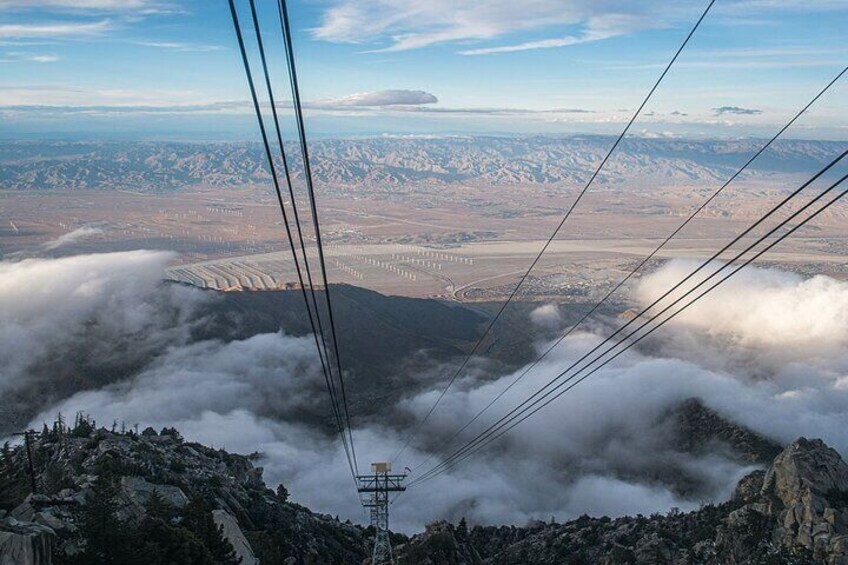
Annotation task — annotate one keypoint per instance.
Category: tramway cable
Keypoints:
(644, 262)
(307, 169)
(556, 231)
(511, 420)
(275, 178)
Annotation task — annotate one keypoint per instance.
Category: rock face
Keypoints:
(806, 491)
(234, 535)
(135, 493)
(25, 543)
(795, 512)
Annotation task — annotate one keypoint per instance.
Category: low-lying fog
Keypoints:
(767, 350)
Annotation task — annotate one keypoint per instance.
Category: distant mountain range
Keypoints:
(386, 162)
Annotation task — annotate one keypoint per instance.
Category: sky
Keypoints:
(171, 69)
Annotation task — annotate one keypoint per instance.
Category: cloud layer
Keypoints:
(51, 307)
(607, 447)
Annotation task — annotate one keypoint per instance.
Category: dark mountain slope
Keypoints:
(382, 339)
(700, 429)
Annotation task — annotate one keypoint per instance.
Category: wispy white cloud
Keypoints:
(44, 58)
(110, 5)
(56, 29)
(597, 29)
(408, 24)
(760, 6)
(777, 57)
(180, 46)
(51, 95)
(72, 237)
(57, 101)
(17, 57)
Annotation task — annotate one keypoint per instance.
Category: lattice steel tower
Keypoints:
(377, 486)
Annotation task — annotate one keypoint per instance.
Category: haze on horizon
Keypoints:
(162, 69)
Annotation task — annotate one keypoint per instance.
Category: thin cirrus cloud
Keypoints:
(181, 47)
(28, 58)
(597, 29)
(55, 30)
(405, 24)
(81, 4)
(34, 96)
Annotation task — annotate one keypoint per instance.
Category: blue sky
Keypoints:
(171, 69)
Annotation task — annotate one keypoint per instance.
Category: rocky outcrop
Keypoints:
(160, 469)
(441, 543)
(135, 493)
(25, 543)
(795, 512)
(806, 491)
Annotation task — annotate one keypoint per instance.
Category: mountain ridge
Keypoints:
(796, 511)
(383, 163)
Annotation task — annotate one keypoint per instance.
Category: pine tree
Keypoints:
(282, 493)
(7, 459)
(100, 528)
(59, 426)
(462, 529)
(83, 426)
(158, 507)
(172, 432)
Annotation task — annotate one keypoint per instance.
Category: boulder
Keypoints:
(135, 492)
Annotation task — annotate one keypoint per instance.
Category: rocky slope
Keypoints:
(795, 511)
(75, 467)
